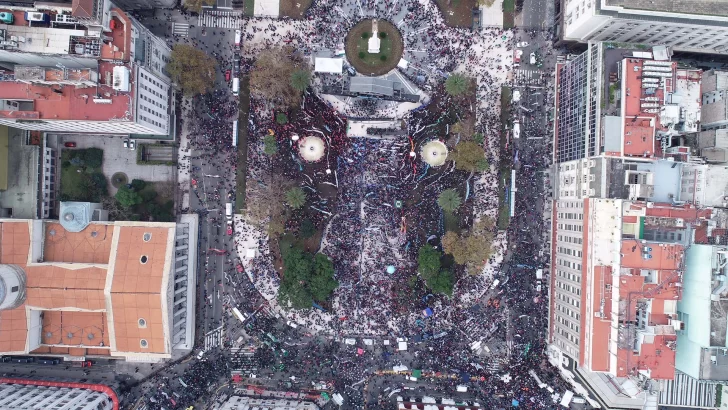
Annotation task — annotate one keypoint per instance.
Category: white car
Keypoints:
(292, 324)
(350, 342)
(533, 58)
(132, 145)
(368, 342)
(522, 44)
(126, 143)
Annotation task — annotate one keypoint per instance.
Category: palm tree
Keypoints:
(300, 79)
(295, 197)
(449, 200)
(457, 84)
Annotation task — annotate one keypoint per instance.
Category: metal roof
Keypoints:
(371, 85)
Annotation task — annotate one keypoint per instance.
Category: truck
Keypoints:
(238, 35)
(516, 129)
(236, 86)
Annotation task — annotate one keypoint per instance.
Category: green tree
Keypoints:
(458, 84)
(428, 261)
(128, 197)
(441, 283)
(300, 79)
(270, 147)
(322, 282)
(469, 156)
(295, 197)
(291, 293)
(93, 157)
(195, 6)
(449, 200)
(138, 184)
(298, 264)
(192, 69)
(307, 229)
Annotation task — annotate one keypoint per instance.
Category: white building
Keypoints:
(700, 26)
(93, 70)
(22, 394)
(250, 403)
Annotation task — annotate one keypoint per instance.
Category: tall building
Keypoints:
(28, 394)
(81, 287)
(700, 26)
(84, 66)
(623, 103)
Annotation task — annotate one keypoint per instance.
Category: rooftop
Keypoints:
(70, 103)
(705, 7)
(106, 284)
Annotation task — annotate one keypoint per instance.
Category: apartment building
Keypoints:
(84, 66)
(700, 26)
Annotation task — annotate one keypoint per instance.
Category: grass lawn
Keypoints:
(509, 13)
(457, 13)
(249, 7)
(242, 164)
(294, 9)
(391, 46)
(77, 183)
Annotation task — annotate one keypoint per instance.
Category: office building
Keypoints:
(84, 66)
(81, 287)
(28, 394)
(623, 103)
(700, 26)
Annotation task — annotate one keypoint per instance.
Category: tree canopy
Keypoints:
(195, 6)
(469, 156)
(127, 197)
(295, 197)
(306, 278)
(449, 200)
(470, 248)
(270, 147)
(192, 69)
(458, 84)
(429, 266)
(272, 77)
(300, 79)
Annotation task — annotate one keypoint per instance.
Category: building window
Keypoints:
(142, 323)
(143, 259)
(143, 343)
(14, 289)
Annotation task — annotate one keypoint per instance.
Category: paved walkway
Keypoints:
(492, 16)
(266, 8)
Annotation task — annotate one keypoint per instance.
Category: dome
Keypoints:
(68, 217)
(12, 286)
(311, 149)
(434, 153)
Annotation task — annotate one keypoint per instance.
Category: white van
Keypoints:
(516, 129)
(238, 35)
(229, 211)
(236, 86)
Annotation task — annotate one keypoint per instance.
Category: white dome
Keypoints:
(311, 149)
(12, 286)
(434, 153)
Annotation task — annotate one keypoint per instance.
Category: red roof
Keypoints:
(82, 8)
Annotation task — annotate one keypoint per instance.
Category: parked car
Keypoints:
(126, 143)
(85, 363)
(132, 145)
(70, 144)
(6, 17)
(522, 44)
(227, 75)
(51, 361)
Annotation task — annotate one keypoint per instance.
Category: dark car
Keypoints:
(48, 360)
(70, 144)
(22, 360)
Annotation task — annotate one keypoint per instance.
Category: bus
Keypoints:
(235, 133)
(238, 35)
(236, 86)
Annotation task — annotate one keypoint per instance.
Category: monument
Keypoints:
(374, 41)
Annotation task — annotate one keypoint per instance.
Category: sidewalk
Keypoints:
(493, 15)
(183, 161)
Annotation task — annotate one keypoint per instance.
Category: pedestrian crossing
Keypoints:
(181, 29)
(220, 19)
(525, 77)
(213, 338)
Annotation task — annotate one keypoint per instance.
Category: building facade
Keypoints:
(696, 27)
(251, 403)
(33, 394)
(93, 69)
(630, 107)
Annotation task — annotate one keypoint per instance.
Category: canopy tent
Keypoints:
(329, 65)
(311, 148)
(434, 153)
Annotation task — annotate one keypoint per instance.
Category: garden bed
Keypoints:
(357, 46)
